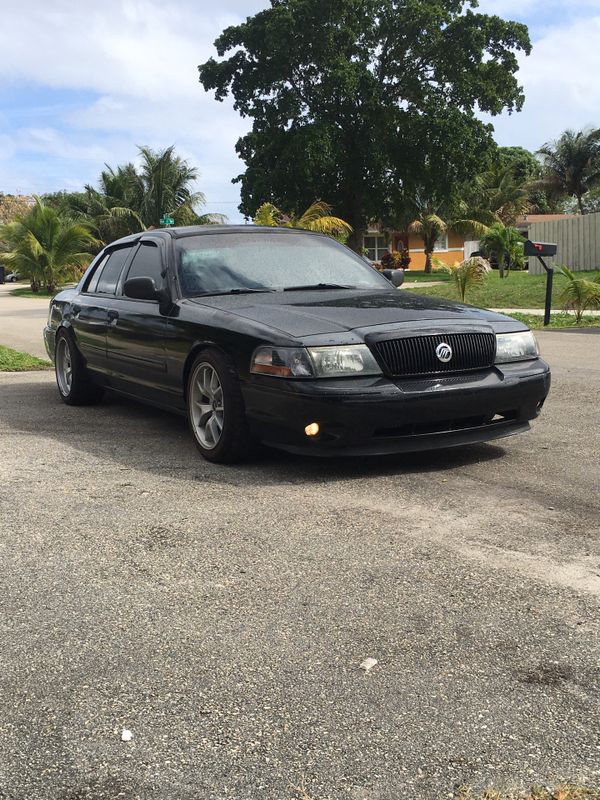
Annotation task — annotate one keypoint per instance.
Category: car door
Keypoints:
(135, 339)
(90, 309)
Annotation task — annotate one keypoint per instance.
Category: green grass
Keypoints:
(557, 321)
(519, 290)
(418, 276)
(25, 291)
(14, 361)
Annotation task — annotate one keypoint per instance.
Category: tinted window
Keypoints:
(147, 264)
(109, 276)
(92, 281)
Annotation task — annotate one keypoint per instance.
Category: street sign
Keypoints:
(167, 220)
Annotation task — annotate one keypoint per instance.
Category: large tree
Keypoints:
(365, 102)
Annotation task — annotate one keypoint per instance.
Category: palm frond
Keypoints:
(469, 227)
(333, 226)
(580, 293)
(468, 273)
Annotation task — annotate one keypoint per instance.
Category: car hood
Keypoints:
(301, 314)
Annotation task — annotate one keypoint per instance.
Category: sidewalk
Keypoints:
(22, 321)
(539, 312)
(419, 284)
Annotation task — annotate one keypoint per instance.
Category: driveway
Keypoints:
(221, 614)
(22, 320)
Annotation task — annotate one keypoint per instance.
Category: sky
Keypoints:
(83, 83)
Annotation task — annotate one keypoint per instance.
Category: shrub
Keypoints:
(396, 259)
(580, 293)
(468, 273)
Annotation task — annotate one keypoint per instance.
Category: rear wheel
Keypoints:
(75, 386)
(215, 408)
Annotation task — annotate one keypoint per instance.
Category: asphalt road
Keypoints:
(221, 613)
(22, 320)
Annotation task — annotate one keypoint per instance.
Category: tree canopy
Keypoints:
(365, 102)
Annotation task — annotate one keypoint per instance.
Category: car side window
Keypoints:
(105, 278)
(92, 281)
(147, 263)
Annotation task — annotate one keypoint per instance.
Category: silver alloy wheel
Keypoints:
(206, 405)
(64, 366)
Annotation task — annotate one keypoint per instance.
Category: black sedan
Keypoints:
(288, 338)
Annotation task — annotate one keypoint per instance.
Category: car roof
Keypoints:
(195, 230)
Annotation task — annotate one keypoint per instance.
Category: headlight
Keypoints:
(516, 347)
(315, 362)
(356, 359)
(284, 362)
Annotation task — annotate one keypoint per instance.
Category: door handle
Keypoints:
(112, 315)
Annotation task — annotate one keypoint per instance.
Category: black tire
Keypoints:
(234, 443)
(81, 389)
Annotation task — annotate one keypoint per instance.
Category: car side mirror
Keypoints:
(395, 276)
(141, 289)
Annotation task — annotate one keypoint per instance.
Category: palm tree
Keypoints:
(317, 217)
(111, 216)
(505, 243)
(163, 185)
(580, 293)
(46, 247)
(467, 274)
(429, 224)
(572, 164)
(501, 195)
(130, 199)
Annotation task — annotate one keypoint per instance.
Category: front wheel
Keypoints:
(75, 386)
(215, 409)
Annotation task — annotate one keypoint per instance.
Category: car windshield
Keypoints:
(225, 262)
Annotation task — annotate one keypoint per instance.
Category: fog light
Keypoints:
(312, 429)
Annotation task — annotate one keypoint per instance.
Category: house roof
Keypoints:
(528, 219)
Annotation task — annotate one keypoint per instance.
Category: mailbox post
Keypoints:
(539, 250)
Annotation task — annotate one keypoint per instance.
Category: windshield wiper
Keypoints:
(310, 286)
(231, 291)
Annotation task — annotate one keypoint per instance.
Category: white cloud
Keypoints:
(142, 48)
(560, 84)
(525, 9)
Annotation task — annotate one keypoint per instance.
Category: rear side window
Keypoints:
(104, 280)
(92, 281)
(147, 263)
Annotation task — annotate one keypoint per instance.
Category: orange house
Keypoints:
(449, 248)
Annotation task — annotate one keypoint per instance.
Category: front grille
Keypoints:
(416, 355)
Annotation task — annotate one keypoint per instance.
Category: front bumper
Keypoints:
(375, 416)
